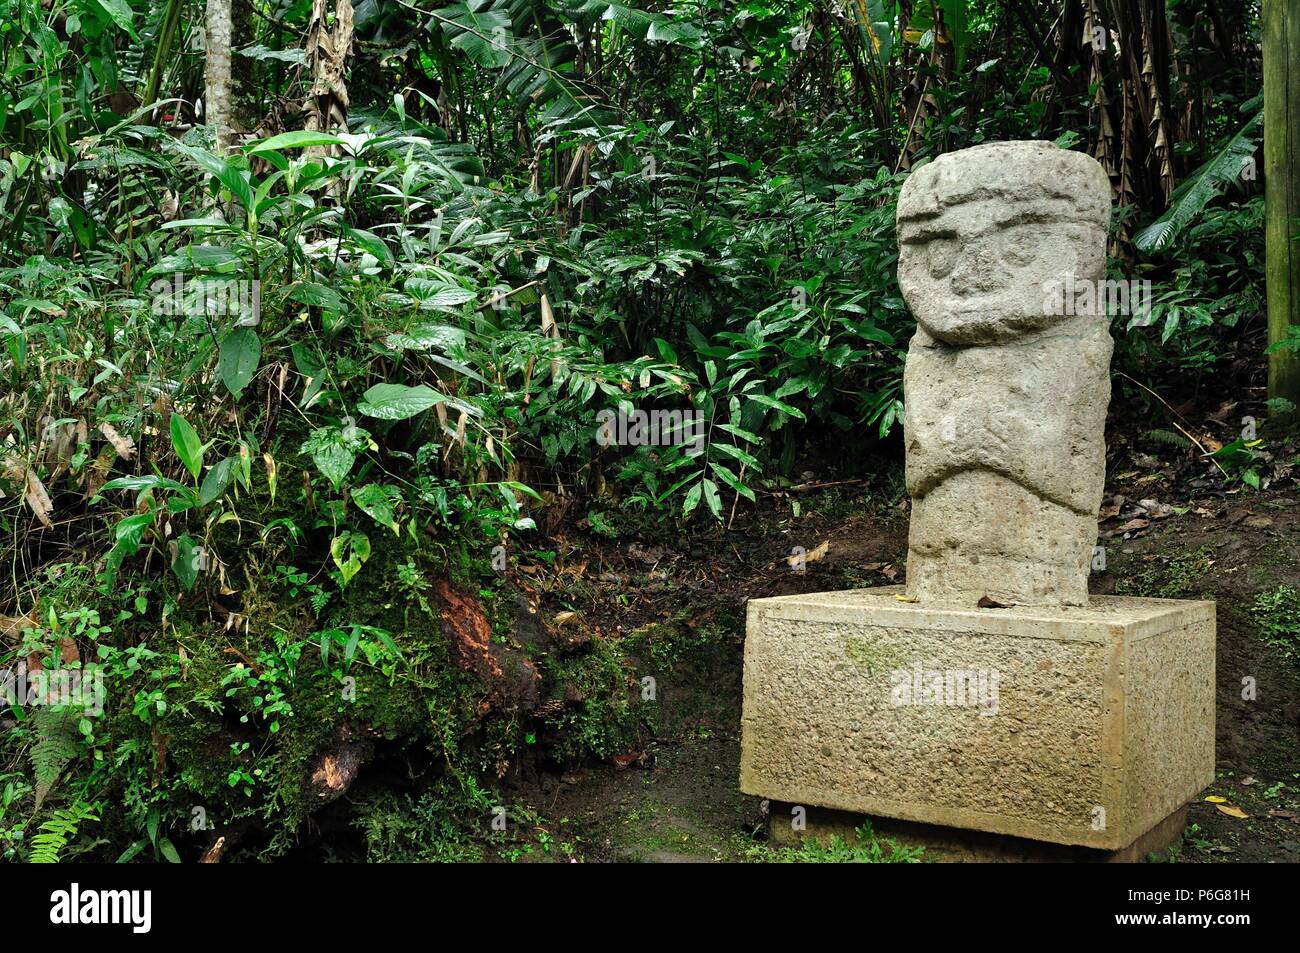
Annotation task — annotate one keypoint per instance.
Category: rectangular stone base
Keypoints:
(1086, 726)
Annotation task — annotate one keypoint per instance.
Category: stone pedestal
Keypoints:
(1085, 726)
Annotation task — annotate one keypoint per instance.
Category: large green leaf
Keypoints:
(235, 179)
(188, 561)
(217, 480)
(187, 444)
(298, 139)
(398, 401)
(1199, 188)
(331, 453)
(379, 503)
(349, 551)
(241, 350)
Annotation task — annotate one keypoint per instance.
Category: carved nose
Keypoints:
(977, 271)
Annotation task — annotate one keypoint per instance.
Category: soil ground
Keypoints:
(678, 800)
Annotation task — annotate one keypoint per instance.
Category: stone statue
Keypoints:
(1056, 718)
(1007, 383)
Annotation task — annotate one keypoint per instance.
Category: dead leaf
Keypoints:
(987, 603)
(1134, 525)
(1292, 816)
(12, 626)
(563, 618)
(213, 853)
(1215, 799)
(124, 447)
(1232, 811)
(38, 499)
(816, 554)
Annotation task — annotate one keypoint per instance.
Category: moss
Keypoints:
(1277, 614)
(871, 656)
(1164, 576)
(608, 717)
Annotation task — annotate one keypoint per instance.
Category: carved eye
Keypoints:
(942, 256)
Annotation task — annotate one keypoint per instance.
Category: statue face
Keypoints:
(988, 271)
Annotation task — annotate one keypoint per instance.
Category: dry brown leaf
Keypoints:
(213, 854)
(38, 499)
(816, 554)
(11, 626)
(123, 446)
(1232, 811)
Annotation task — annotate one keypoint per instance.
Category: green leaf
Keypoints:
(299, 139)
(119, 11)
(168, 850)
(240, 353)
(692, 499)
(235, 180)
(733, 481)
(738, 454)
(128, 532)
(397, 401)
(188, 560)
(216, 481)
(371, 243)
(187, 445)
(147, 482)
(379, 503)
(332, 454)
(712, 498)
(776, 405)
(1199, 188)
(131, 852)
(350, 550)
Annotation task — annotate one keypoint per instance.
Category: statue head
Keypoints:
(987, 233)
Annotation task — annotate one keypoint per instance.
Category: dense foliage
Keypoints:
(274, 423)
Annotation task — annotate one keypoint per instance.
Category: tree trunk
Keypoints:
(163, 52)
(1281, 36)
(216, 93)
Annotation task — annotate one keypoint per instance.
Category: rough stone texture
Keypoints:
(1108, 706)
(1005, 390)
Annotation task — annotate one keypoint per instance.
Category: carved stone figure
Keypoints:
(1007, 382)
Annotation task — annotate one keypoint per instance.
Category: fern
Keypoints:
(1168, 437)
(47, 846)
(57, 742)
